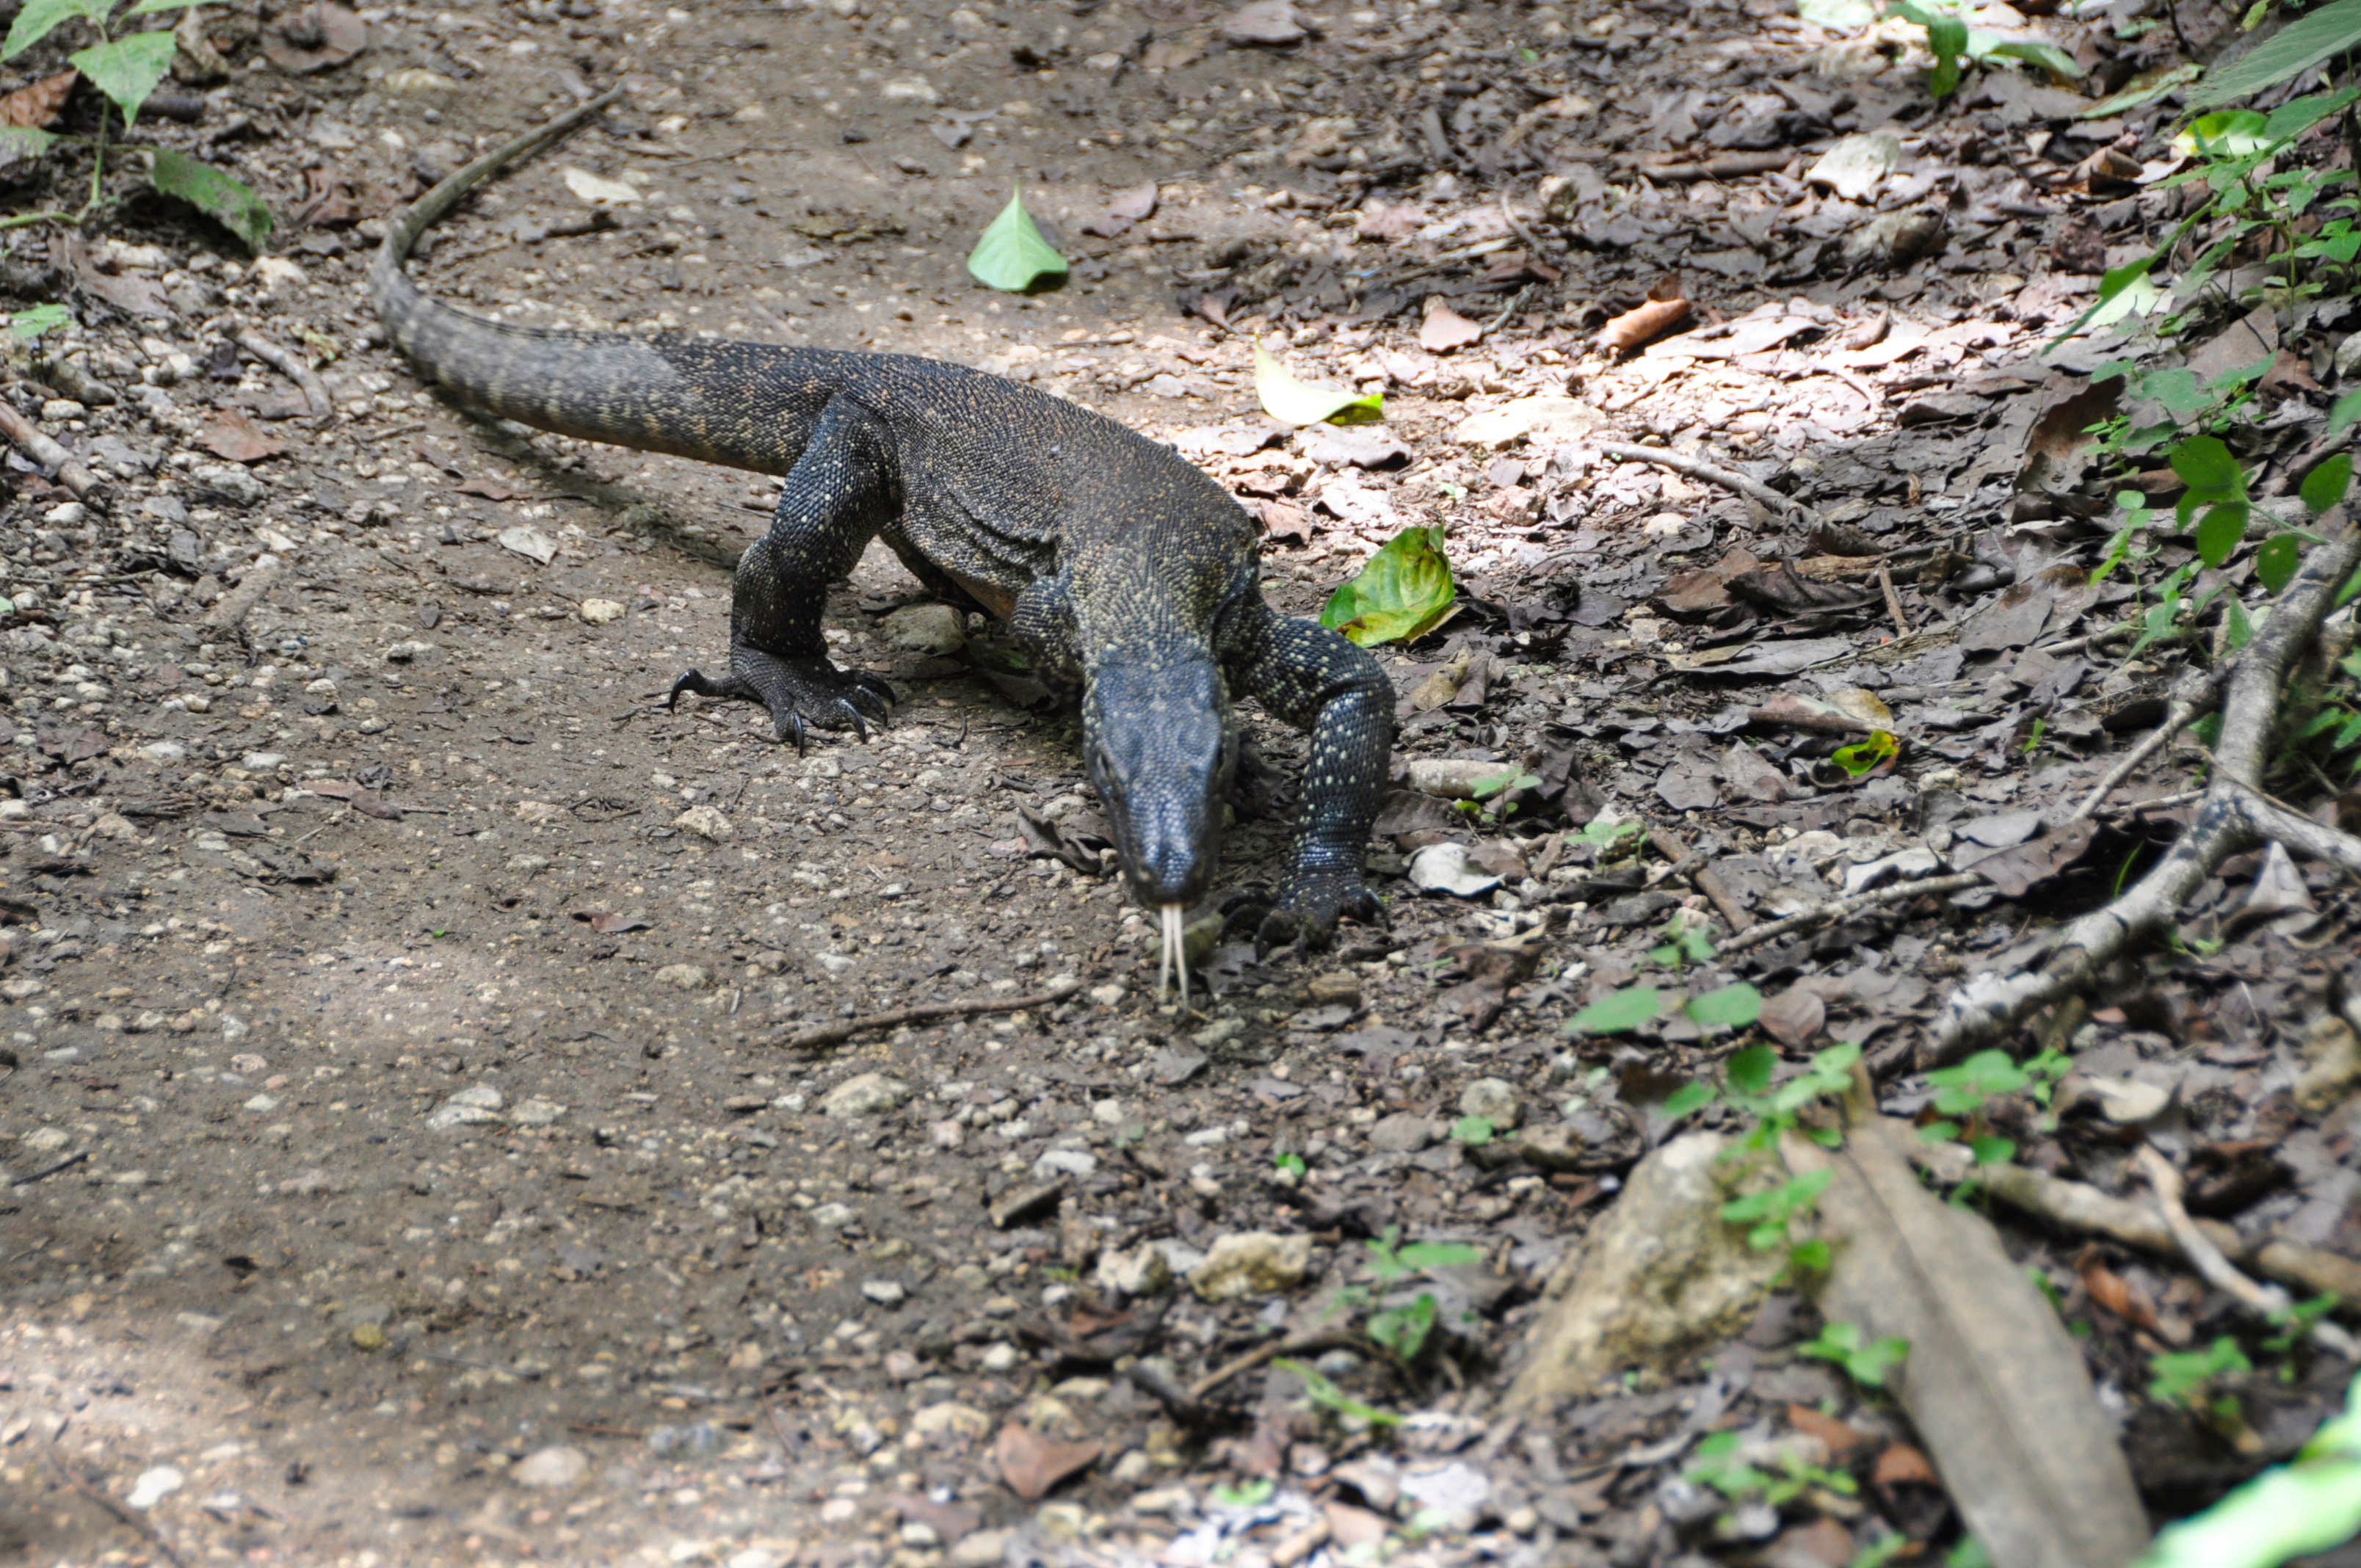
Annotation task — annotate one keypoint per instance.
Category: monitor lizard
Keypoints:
(1129, 574)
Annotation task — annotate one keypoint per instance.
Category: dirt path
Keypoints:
(408, 1166)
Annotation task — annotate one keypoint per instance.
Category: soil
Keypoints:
(410, 1157)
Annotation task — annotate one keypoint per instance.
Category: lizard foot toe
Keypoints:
(803, 693)
(1306, 913)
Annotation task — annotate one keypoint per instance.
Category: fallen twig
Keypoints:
(124, 1516)
(925, 1012)
(1300, 1344)
(51, 458)
(230, 610)
(2233, 814)
(315, 391)
(1837, 908)
(1892, 600)
(1708, 881)
(2269, 1302)
(2194, 693)
(66, 1164)
(1712, 474)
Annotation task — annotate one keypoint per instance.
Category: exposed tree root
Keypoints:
(2267, 1302)
(1712, 474)
(1837, 908)
(2232, 815)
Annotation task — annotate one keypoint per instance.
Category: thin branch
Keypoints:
(1301, 1345)
(1839, 908)
(2269, 1302)
(2195, 694)
(123, 1515)
(925, 1012)
(291, 366)
(2229, 818)
(51, 457)
(1893, 599)
(1712, 474)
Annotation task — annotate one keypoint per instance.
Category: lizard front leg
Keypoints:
(840, 492)
(1313, 679)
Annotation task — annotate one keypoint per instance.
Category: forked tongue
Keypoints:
(1176, 952)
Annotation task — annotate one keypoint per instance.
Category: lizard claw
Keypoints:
(803, 693)
(1307, 910)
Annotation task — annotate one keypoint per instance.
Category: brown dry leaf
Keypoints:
(38, 106)
(234, 436)
(1837, 1434)
(313, 38)
(1446, 329)
(2109, 172)
(2121, 1297)
(2017, 870)
(368, 803)
(1901, 1466)
(1032, 1463)
(490, 489)
(1380, 220)
(1994, 1384)
(1665, 308)
(1074, 842)
(126, 291)
(1793, 1018)
(1130, 206)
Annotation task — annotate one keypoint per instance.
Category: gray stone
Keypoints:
(559, 1468)
(1660, 1277)
(863, 1095)
(1494, 1100)
(1251, 1263)
(1404, 1132)
(930, 628)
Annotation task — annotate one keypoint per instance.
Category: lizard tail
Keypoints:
(739, 404)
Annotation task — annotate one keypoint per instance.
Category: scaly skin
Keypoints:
(1128, 572)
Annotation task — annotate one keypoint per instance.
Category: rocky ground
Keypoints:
(409, 1161)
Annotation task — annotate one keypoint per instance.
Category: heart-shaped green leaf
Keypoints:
(40, 18)
(212, 193)
(2276, 560)
(1732, 1006)
(1011, 256)
(2325, 486)
(127, 70)
(2220, 531)
(1295, 402)
(1617, 1013)
(1404, 591)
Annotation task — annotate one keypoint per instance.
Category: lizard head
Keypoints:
(1161, 742)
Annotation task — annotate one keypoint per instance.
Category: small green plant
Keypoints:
(30, 325)
(1955, 45)
(1491, 797)
(2186, 1377)
(126, 68)
(1960, 1092)
(1601, 834)
(1685, 940)
(1746, 1089)
(1473, 1131)
(1864, 1360)
(1403, 1330)
(1252, 1495)
(1770, 1217)
(1735, 1006)
(1719, 1464)
(2309, 1506)
(2295, 1323)
(1617, 1013)
(1322, 1392)
(1289, 1166)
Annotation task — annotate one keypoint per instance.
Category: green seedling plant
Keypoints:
(2309, 1506)
(1474, 1132)
(1290, 1166)
(1322, 1391)
(1250, 1494)
(127, 67)
(1955, 45)
(1771, 1215)
(1747, 1089)
(1865, 1361)
(1402, 1331)
(1683, 940)
(1962, 1091)
(2190, 1379)
(1720, 1466)
(1491, 796)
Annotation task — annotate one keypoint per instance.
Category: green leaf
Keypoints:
(2048, 55)
(1473, 1131)
(1403, 1329)
(1693, 1096)
(1404, 591)
(1749, 1072)
(2220, 533)
(2276, 562)
(1837, 15)
(1991, 1150)
(1439, 1254)
(40, 18)
(1326, 1395)
(1617, 1013)
(127, 69)
(1291, 402)
(30, 325)
(2144, 88)
(2225, 132)
(1948, 37)
(1010, 255)
(2343, 413)
(18, 142)
(1251, 1495)
(1868, 756)
(2325, 486)
(2206, 466)
(1291, 1163)
(2303, 1510)
(212, 193)
(1732, 1006)
(2296, 47)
